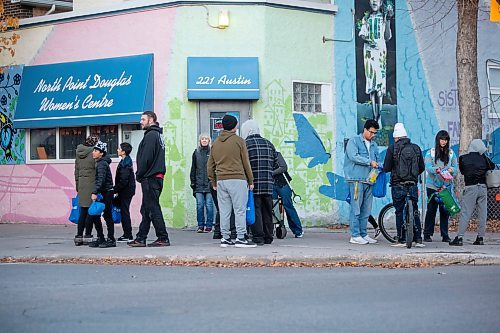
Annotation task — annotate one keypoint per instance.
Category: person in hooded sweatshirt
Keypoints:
(104, 187)
(262, 155)
(84, 180)
(125, 189)
(201, 185)
(473, 166)
(231, 176)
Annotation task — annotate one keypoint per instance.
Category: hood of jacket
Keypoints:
(225, 135)
(153, 128)
(83, 151)
(249, 127)
(477, 146)
(105, 158)
(126, 162)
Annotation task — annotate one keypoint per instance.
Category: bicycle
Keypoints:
(387, 220)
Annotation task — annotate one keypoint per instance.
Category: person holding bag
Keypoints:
(473, 166)
(84, 180)
(440, 162)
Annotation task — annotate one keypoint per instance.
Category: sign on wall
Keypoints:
(104, 91)
(223, 78)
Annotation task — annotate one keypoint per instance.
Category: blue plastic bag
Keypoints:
(96, 207)
(116, 214)
(380, 186)
(250, 209)
(74, 215)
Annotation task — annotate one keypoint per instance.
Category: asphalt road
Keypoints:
(89, 298)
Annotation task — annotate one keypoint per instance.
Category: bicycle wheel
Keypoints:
(387, 223)
(409, 222)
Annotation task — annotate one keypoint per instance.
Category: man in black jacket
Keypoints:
(474, 166)
(125, 189)
(150, 172)
(404, 179)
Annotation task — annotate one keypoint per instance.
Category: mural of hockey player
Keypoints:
(375, 30)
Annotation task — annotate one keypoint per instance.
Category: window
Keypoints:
(69, 138)
(43, 144)
(311, 97)
(60, 143)
(494, 91)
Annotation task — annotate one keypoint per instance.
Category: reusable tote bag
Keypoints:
(380, 186)
(250, 209)
(74, 215)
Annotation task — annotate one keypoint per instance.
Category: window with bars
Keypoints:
(306, 97)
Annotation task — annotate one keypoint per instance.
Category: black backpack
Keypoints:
(406, 161)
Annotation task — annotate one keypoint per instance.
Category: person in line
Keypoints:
(262, 155)
(231, 176)
(85, 181)
(200, 185)
(439, 161)
(361, 156)
(474, 166)
(282, 188)
(150, 173)
(232, 227)
(405, 162)
(125, 189)
(104, 187)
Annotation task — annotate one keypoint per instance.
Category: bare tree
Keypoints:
(467, 79)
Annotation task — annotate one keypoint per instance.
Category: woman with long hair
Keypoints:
(441, 169)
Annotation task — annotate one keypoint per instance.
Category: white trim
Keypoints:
(142, 5)
(82, 116)
(495, 90)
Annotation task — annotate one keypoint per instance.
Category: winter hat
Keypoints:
(399, 131)
(91, 140)
(101, 146)
(229, 122)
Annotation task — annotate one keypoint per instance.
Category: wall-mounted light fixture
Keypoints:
(223, 19)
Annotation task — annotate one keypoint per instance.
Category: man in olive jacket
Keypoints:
(150, 172)
(230, 174)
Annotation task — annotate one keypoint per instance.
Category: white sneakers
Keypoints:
(362, 240)
(358, 240)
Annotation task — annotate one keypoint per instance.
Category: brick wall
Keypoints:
(16, 10)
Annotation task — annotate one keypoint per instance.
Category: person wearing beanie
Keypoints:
(104, 187)
(439, 161)
(474, 166)
(361, 156)
(262, 155)
(230, 174)
(84, 180)
(405, 162)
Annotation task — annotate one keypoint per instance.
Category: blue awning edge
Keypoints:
(91, 92)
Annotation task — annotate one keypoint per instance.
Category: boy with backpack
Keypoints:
(405, 162)
(125, 189)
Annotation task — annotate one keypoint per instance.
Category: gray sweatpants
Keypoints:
(474, 195)
(232, 194)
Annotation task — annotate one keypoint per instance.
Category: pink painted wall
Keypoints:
(41, 193)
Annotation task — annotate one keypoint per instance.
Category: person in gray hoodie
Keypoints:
(473, 166)
(84, 180)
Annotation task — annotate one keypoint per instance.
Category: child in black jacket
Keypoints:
(103, 186)
(125, 189)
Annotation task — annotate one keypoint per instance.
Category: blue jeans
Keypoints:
(399, 201)
(361, 208)
(292, 217)
(204, 200)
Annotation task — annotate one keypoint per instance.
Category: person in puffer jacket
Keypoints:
(125, 189)
(104, 187)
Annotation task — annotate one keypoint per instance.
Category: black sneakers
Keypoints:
(97, 242)
(200, 230)
(87, 239)
(478, 241)
(108, 243)
(242, 242)
(226, 242)
(159, 243)
(125, 239)
(457, 241)
(78, 240)
(427, 239)
(446, 239)
(137, 243)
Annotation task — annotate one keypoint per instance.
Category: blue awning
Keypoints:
(94, 92)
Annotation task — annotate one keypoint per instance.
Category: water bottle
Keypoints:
(372, 176)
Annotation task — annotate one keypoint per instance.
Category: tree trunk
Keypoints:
(467, 80)
(468, 90)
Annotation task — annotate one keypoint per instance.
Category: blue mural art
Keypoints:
(309, 143)
(11, 139)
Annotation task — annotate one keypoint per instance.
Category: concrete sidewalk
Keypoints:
(319, 247)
